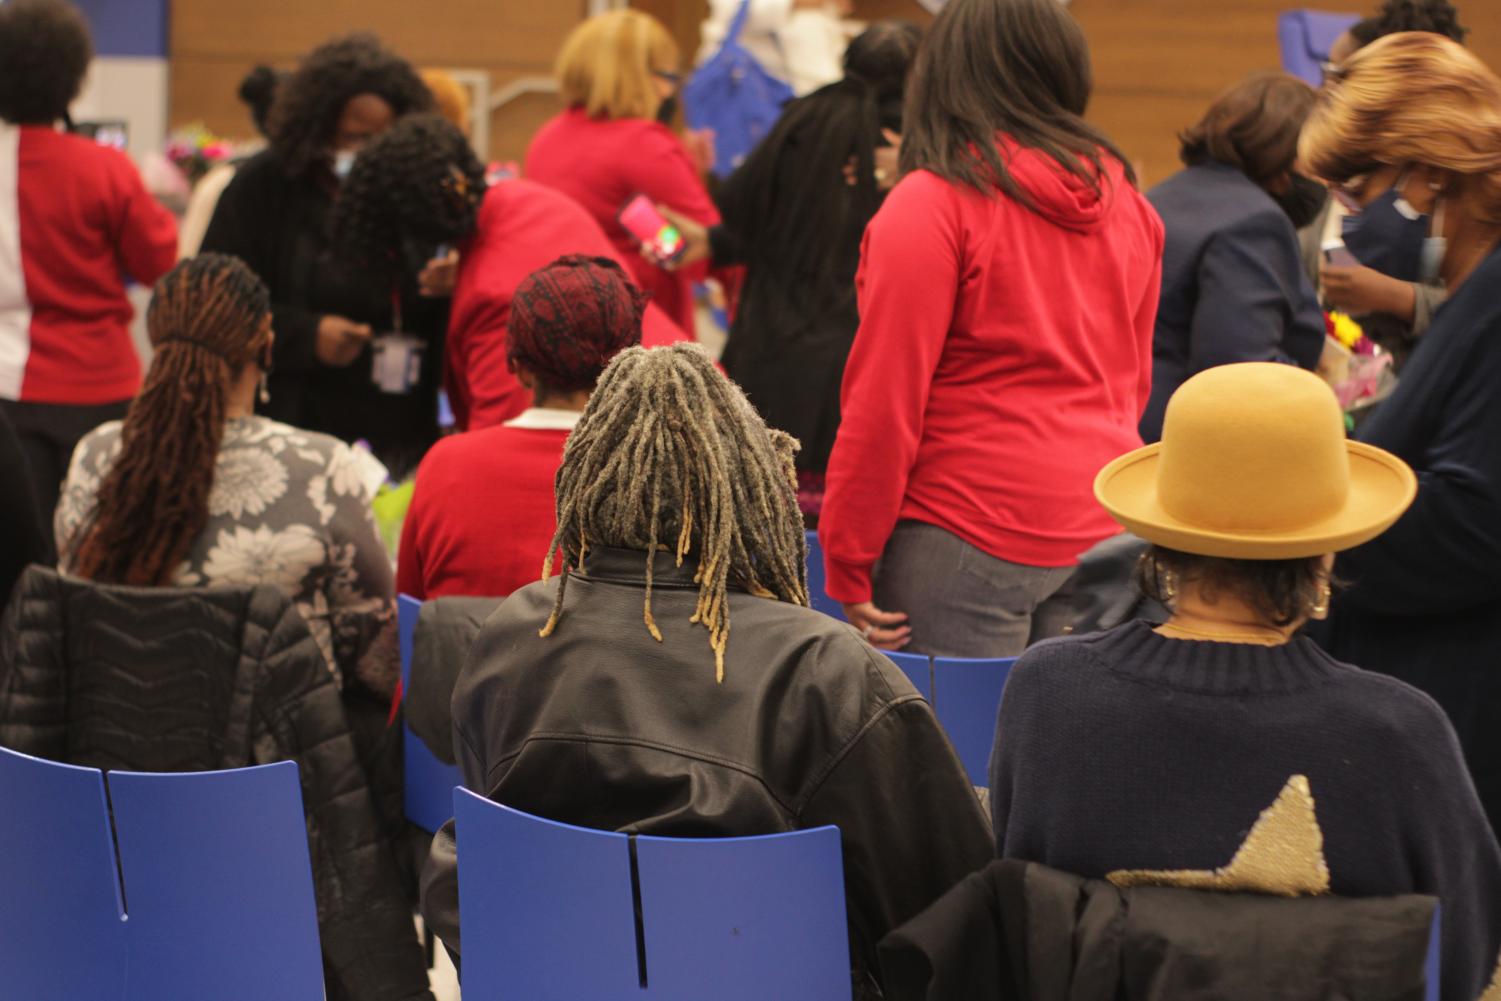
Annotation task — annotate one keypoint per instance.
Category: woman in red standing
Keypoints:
(616, 72)
(1007, 289)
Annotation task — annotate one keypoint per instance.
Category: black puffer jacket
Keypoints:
(166, 679)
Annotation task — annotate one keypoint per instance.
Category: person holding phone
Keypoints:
(421, 183)
(1233, 287)
(274, 216)
(76, 222)
(1414, 120)
(1006, 292)
(607, 147)
(794, 214)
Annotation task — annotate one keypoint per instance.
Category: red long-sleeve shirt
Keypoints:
(75, 220)
(482, 511)
(602, 163)
(1004, 356)
(522, 228)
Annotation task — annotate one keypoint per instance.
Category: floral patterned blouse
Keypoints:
(289, 508)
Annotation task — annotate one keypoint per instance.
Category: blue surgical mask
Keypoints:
(1392, 237)
(343, 162)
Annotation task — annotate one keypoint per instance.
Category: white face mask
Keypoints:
(343, 162)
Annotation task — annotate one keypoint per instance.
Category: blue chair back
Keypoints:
(427, 783)
(546, 908)
(816, 596)
(218, 885)
(1305, 37)
(550, 913)
(966, 699)
(212, 870)
(918, 668)
(744, 919)
(62, 923)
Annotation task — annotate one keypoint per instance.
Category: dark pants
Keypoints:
(48, 433)
(960, 600)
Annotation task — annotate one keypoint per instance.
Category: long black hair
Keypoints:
(305, 115)
(1013, 67)
(418, 183)
(791, 199)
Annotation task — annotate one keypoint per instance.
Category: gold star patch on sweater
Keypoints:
(1282, 855)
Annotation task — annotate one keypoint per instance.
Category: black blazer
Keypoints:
(1233, 287)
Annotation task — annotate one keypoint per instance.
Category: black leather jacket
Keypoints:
(178, 679)
(810, 727)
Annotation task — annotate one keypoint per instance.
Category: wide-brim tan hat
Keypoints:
(1254, 464)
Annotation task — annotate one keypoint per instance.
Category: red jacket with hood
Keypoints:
(1004, 355)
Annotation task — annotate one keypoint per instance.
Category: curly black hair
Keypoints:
(419, 182)
(45, 49)
(1436, 16)
(306, 113)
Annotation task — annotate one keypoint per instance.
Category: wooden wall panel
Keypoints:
(215, 42)
(1157, 63)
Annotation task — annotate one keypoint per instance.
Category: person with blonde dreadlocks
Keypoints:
(678, 644)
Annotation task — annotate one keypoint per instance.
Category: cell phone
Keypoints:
(114, 133)
(1337, 254)
(642, 220)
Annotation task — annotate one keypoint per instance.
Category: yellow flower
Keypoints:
(1346, 330)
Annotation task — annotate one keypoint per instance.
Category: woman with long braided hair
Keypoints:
(617, 697)
(192, 489)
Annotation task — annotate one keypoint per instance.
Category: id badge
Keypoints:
(396, 363)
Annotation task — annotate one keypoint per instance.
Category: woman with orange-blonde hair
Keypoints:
(1409, 129)
(618, 75)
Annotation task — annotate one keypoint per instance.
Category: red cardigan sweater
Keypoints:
(75, 221)
(602, 163)
(522, 227)
(1003, 357)
(482, 513)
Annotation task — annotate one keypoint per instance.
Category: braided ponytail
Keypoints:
(206, 322)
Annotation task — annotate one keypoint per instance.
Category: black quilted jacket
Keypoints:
(165, 679)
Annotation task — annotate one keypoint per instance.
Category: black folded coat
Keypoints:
(1019, 931)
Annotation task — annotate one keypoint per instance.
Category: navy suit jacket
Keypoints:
(1233, 287)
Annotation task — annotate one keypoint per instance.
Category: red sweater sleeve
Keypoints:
(665, 174)
(907, 285)
(146, 231)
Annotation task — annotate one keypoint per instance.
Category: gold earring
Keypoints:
(1168, 585)
(1320, 609)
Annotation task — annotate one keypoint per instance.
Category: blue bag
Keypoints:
(734, 95)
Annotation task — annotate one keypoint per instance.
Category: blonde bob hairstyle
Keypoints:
(1410, 98)
(608, 63)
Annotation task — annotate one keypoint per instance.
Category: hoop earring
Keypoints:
(1320, 608)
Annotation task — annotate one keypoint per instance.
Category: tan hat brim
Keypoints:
(1381, 488)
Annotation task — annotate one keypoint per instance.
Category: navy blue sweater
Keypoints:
(1129, 750)
(1233, 283)
(1425, 600)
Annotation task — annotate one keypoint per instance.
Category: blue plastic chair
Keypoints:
(1305, 37)
(546, 908)
(966, 698)
(427, 783)
(552, 908)
(744, 919)
(918, 669)
(816, 596)
(62, 923)
(218, 885)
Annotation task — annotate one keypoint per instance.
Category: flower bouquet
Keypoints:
(195, 151)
